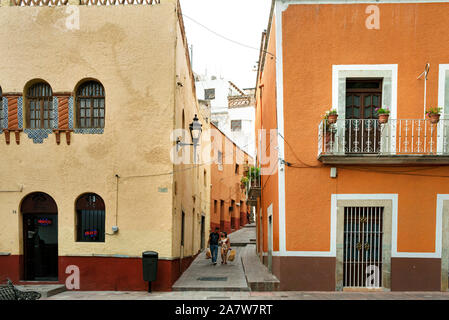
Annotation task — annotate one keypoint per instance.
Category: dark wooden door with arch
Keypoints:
(40, 237)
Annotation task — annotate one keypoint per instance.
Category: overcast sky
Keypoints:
(240, 20)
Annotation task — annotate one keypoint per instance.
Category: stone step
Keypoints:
(257, 275)
(46, 290)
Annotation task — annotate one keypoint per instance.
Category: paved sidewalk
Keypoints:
(203, 275)
(242, 295)
(244, 236)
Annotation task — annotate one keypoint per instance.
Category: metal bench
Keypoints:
(9, 292)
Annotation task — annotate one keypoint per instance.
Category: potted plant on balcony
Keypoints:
(384, 114)
(331, 116)
(244, 182)
(434, 115)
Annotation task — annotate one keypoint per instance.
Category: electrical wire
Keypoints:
(226, 38)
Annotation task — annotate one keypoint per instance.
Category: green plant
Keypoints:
(244, 180)
(431, 111)
(254, 173)
(330, 112)
(383, 110)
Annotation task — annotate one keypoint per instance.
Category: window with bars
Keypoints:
(236, 125)
(39, 101)
(209, 94)
(90, 99)
(90, 211)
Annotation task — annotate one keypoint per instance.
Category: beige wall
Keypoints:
(192, 193)
(131, 50)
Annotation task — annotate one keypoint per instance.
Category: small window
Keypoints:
(215, 206)
(237, 168)
(90, 212)
(90, 101)
(236, 125)
(220, 157)
(209, 94)
(205, 178)
(39, 102)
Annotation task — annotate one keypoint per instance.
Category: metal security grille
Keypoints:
(362, 261)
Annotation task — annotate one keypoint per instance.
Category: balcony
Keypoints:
(253, 189)
(365, 141)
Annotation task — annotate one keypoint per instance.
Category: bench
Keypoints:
(9, 292)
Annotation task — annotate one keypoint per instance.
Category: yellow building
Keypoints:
(91, 96)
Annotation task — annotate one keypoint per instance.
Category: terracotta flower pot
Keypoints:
(434, 118)
(383, 118)
(332, 118)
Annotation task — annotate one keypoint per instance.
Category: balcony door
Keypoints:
(362, 128)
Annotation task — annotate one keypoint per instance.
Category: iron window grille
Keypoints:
(90, 210)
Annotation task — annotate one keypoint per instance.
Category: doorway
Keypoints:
(362, 256)
(203, 235)
(270, 237)
(40, 237)
(363, 132)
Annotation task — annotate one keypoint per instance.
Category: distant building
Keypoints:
(229, 210)
(232, 109)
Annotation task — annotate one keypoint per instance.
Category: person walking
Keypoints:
(225, 244)
(214, 237)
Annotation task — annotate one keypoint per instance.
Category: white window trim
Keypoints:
(393, 68)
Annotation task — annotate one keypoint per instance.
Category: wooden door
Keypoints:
(363, 133)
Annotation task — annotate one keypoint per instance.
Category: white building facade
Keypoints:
(232, 109)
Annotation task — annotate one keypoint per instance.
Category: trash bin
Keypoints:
(149, 264)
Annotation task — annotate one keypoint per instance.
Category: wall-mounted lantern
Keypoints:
(196, 129)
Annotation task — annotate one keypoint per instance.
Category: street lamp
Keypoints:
(195, 132)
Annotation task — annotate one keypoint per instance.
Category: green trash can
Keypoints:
(149, 264)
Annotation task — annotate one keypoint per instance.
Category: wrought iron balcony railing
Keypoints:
(253, 190)
(397, 137)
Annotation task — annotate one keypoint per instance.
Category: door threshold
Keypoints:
(357, 289)
(24, 282)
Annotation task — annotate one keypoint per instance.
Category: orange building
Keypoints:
(356, 204)
(228, 200)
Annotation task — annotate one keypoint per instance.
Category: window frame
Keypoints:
(41, 98)
(97, 102)
(87, 208)
(237, 128)
(208, 95)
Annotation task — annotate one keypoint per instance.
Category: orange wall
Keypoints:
(226, 182)
(315, 37)
(266, 119)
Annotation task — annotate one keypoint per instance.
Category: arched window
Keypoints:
(90, 218)
(39, 100)
(90, 99)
